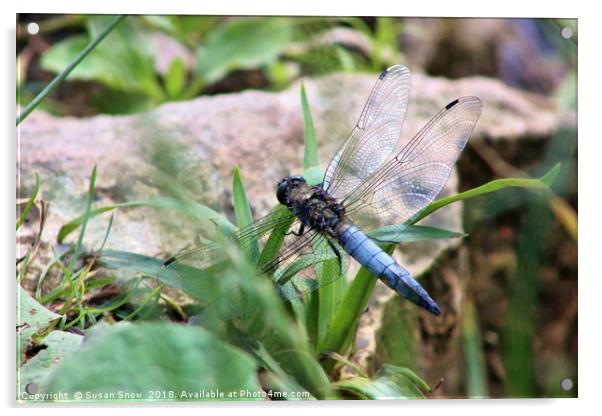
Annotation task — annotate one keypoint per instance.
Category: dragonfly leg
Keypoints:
(298, 233)
(338, 254)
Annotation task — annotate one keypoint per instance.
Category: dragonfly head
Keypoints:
(286, 186)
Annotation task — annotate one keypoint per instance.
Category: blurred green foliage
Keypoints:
(126, 64)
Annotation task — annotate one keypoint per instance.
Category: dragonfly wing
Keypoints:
(291, 264)
(415, 176)
(375, 135)
(298, 274)
(210, 255)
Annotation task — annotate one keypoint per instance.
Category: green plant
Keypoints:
(119, 54)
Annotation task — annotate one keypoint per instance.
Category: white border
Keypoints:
(589, 184)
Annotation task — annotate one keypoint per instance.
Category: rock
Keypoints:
(259, 131)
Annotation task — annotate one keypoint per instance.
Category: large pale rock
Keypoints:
(259, 131)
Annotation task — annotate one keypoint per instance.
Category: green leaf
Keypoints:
(200, 212)
(324, 301)
(242, 43)
(32, 318)
(242, 209)
(283, 276)
(397, 341)
(412, 233)
(519, 331)
(29, 204)
(157, 357)
(175, 79)
(392, 382)
(123, 61)
(276, 378)
(311, 166)
(542, 183)
(58, 346)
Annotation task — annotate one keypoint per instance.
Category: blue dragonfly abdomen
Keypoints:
(380, 264)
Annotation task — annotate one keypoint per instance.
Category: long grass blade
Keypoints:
(194, 210)
(86, 217)
(29, 204)
(311, 166)
(242, 209)
(543, 183)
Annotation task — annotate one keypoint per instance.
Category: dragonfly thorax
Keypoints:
(312, 205)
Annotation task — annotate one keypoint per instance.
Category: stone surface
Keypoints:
(259, 131)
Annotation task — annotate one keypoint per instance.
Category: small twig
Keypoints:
(439, 384)
(174, 305)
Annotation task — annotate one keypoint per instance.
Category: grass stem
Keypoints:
(65, 72)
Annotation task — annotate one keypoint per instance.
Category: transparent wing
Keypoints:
(375, 135)
(211, 254)
(304, 272)
(415, 176)
(198, 268)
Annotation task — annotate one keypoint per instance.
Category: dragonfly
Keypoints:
(376, 179)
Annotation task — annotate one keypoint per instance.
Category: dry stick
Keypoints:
(65, 72)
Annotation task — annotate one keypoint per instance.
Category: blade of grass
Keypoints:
(540, 183)
(519, 332)
(276, 238)
(242, 209)
(284, 381)
(65, 72)
(85, 219)
(106, 237)
(391, 382)
(411, 233)
(351, 308)
(311, 165)
(325, 300)
(329, 296)
(29, 204)
(155, 293)
(344, 361)
(474, 361)
(195, 210)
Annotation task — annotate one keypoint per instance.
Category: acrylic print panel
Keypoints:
(161, 256)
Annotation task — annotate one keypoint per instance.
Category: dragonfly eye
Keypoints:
(290, 182)
(281, 192)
